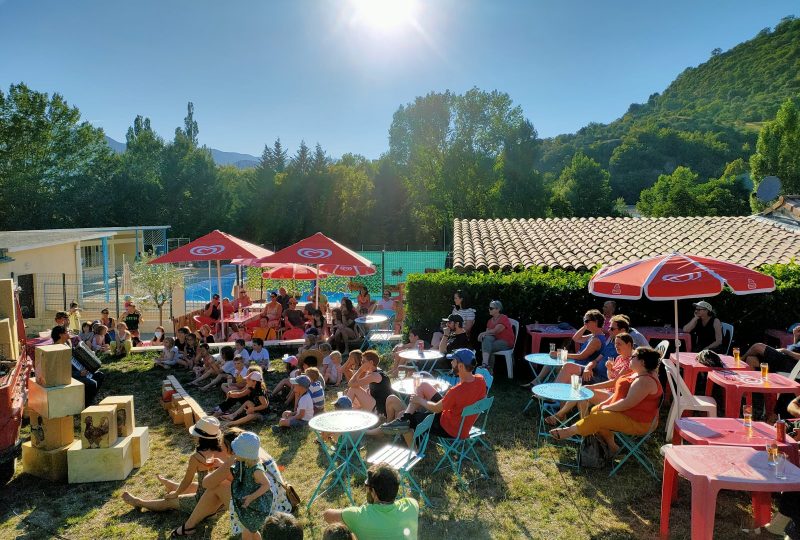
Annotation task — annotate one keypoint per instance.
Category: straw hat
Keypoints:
(205, 428)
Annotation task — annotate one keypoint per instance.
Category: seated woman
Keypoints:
(240, 332)
(158, 336)
(617, 367)
(204, 334)
(318, 321)
(187, 493)
(273, 311)
(460, 307)
(589, 359)
(369, 386)
(705, 328)
(499, 334)
(86, 335)
(344, 329)
(632, 407)
(365, 303)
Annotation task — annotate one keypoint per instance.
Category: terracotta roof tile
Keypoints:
(582, 243)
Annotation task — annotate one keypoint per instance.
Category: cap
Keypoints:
(291, 360)
(464, 356)
(246, 445)
(496, 304)
(205, 428)
(343, 402)
(312, 332)
(704, 305)
(302, 380)
(215, 297)
(255, 375)
(455, 317)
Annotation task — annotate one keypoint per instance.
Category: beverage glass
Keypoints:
(552, 348)
(575, 381)
(736, 357)
(764, 371)
(780, 466)
(417, 379)
(772, 453)
(747, 414)
(562, 355)
(401, 374)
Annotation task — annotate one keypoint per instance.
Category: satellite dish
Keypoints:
(768, 189)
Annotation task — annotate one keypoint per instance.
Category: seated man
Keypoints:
(470, 389)
(91, 381)
(242, 301)
(778, 359)
(211, 310)
(454, 335)
(382, 517)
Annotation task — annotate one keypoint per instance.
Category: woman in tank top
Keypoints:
(705, 328)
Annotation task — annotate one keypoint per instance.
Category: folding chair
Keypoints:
(403, 459)
(488, 377)
(631, 445)
(456, 451)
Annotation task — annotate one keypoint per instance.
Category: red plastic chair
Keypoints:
(199, 321)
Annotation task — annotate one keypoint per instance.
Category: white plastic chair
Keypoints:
(793, 374)
(662, 349)
(682, 399)
(509, 353)
(727, 330)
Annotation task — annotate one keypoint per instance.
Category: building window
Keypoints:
(92, 256)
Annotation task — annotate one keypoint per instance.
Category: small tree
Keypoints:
(154, 283)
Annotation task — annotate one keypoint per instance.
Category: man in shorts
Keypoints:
(470, 389)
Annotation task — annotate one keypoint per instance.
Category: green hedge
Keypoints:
(551, 296)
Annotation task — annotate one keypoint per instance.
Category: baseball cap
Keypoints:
(255, 375)
(291, 360)
(455, 317)
(312, 332)
(464, 356)
(496, 304)
(343, 402)
(704, 305)
(302, 380)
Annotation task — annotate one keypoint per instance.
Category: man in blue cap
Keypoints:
(470, 389)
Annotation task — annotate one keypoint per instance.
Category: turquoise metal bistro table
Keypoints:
(428, 358)
(542, 360)
(556, 392)
(344, 456)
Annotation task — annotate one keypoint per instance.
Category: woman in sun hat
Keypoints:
(184, 495)
(705, 328)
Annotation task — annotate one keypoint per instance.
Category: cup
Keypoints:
(736, 357)
(772, 453)
(780, 466)
(575, 382)
(747, 415)
(562, 355)
(764, 371)
(552, 348)
(417, 379)
(401, 374)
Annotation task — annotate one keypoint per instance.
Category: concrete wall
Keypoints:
(58, 259)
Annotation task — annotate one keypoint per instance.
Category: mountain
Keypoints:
(242, 161)
(707, 117)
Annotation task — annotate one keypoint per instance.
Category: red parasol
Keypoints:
(675, 277)
(293, 271)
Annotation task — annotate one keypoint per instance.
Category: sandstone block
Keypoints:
(125, 418)
(56, 401)
(51, 433)
(53, 365)
(100, 464)
(48, 464)
(99, 426)
(140, 445)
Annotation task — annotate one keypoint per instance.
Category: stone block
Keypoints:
(52, 433)
(188, 417)
(8, 340)
(53, 365)
(48, 464)
(99, 426)
(125, 418)
(176, 414)
(100, 464)
(140, 445)
(56, 401)
(8, 310)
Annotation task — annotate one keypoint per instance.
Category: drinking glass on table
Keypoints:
(772, 453)
(401, 374)
(417, 379)
(575, 381)
(747, 415)
(736, 357)
(764, 371)
(552, 348)
(780, 466)
(562, 355)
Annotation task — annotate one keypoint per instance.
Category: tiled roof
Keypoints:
(582, 243)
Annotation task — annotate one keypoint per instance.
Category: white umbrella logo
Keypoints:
(313, 253)
(204, 251)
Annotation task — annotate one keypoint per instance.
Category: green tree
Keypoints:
(190, 129)
(585, 186)
(778, 151)
(155, 283)
(671, 195)
(522, 192)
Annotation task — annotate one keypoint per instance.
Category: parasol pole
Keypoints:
(316, 285)
(677, 341)
(221, 303)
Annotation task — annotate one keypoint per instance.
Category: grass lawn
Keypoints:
(523, 498)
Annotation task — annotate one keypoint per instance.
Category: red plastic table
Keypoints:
(784, 338)
(731, 432)
(745, 383)
(552, 331)
(668, 333)
(712, 468)
(691, 367)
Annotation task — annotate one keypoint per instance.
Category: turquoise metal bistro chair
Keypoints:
(488, 377)
(632, 445)
(403, 459)
(457, 451)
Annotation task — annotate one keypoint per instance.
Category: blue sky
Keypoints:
(324, 71)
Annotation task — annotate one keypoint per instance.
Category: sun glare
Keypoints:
(384, 14)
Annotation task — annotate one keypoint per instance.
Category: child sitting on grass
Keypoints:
(254, 406)
(98, 343)
(260, 355)
(123, 342)
(283, 391)
(241, 351)
(207, 367)
(86, 334)
(317, 389)
(236, 375)
(189, 355)
(332, 368)
(238, 397)
(353, 363)
(304, 408)
(169, 355)
(223, 366)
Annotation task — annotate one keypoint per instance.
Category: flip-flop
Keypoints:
(556, 434)
(181, 531)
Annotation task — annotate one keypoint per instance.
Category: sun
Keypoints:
(384, 14)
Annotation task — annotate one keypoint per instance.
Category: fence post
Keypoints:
(64, 289)
(383, 269)
(116, 291)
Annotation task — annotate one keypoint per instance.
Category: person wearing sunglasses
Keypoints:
(382, 516)
(499, 335)
(705, 328)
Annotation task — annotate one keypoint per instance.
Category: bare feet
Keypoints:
(131, 500)
(553, 420)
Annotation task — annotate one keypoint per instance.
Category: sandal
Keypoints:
(181, 531)
(556, 434)
(553, 420)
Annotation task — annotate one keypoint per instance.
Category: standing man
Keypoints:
(382, 517)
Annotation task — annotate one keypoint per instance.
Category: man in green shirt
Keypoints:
(383, 517)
